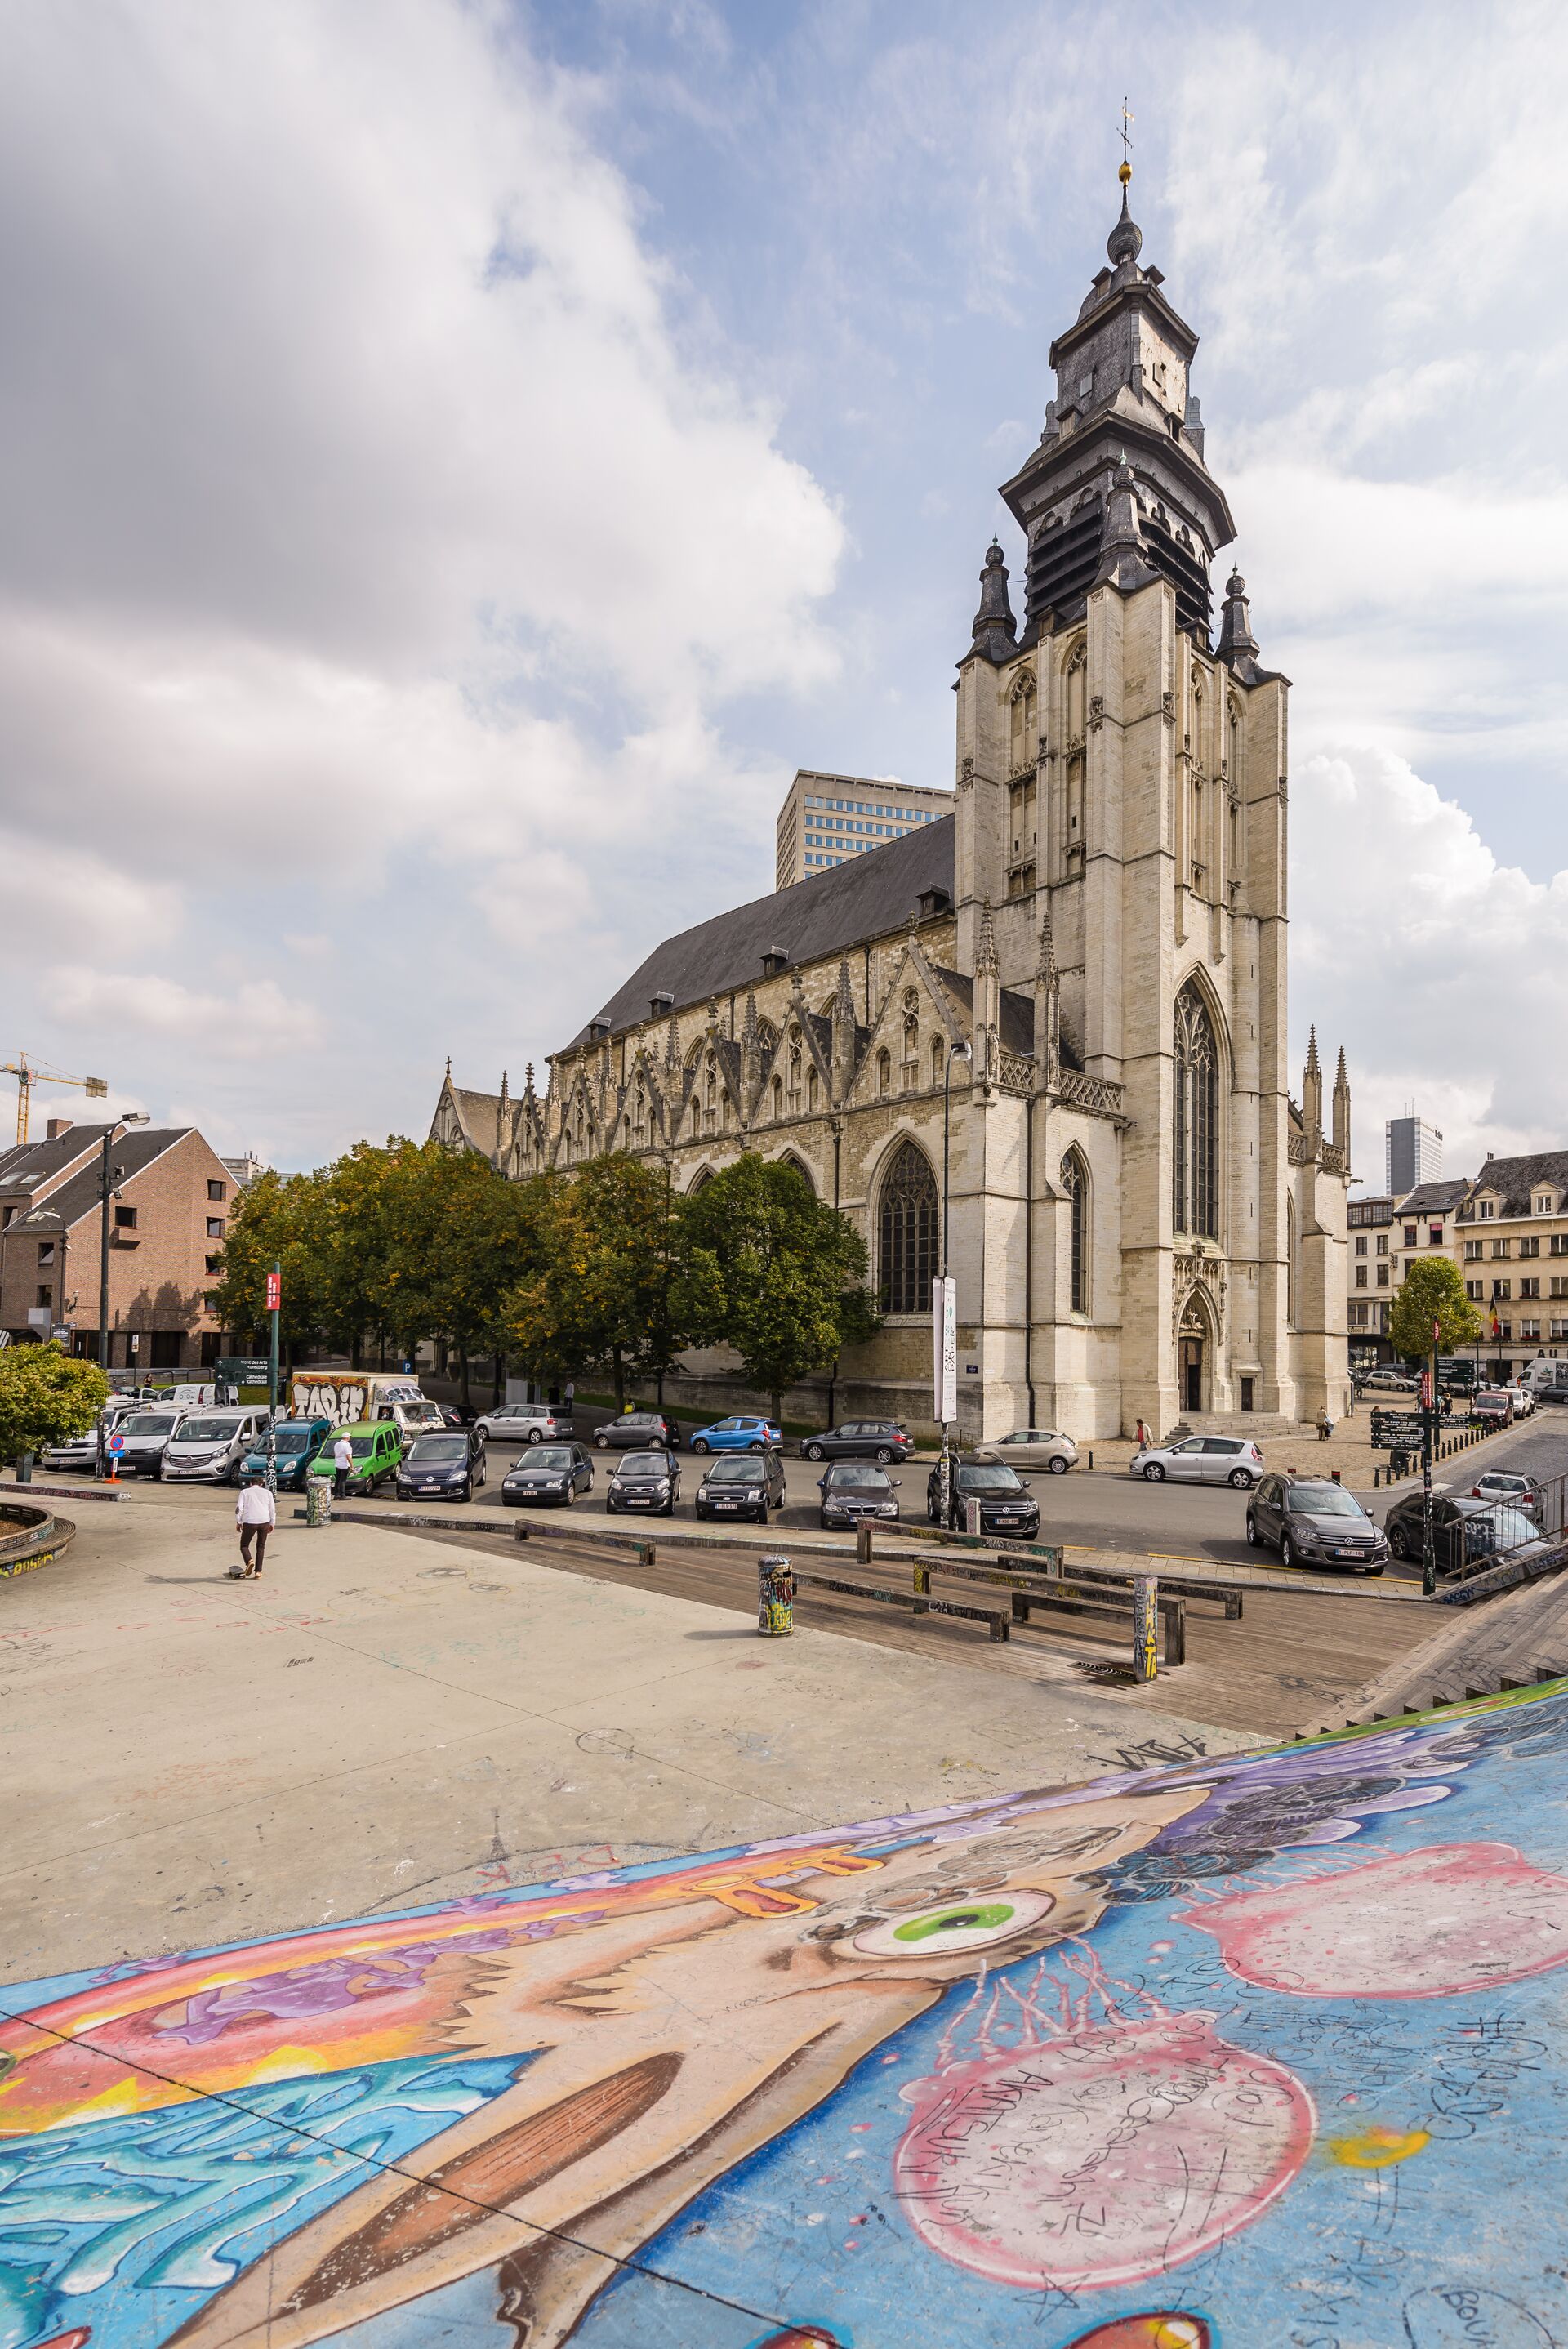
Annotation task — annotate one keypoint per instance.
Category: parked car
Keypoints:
(1517, 1492)
(300, 1444)
(528, 1423)
(742, 1488)
(1465, 1533)
(1524, 1399)
(553, 1475)
(1313, 1521)
(645, 1480)
(738, 1435)
(209, 1447)
(82, 1451)
(1201, 1460)
(1031, 1447)
(378, 1449)
(446, 1467)
(1006, 1504)
(147, 1435)
(1495, 1403)
(882, 1440)
(850, 1491)
(637, 1431)
(1389, 1382)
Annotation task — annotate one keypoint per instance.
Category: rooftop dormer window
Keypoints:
(1543, 1203)
(1487, 1209)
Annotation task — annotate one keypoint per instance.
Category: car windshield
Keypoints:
(987, 1480)
(1322, 1501)
(850, 1473)
(1496, 1483)
(643, 1464)
(147, 1423)
(360, 1446)
(289, 1439)
(551, 1455)
(209, 1431)
(440, 1447)
(736, 1471)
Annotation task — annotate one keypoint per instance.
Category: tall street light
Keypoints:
(107, 1177)
(960, 1051)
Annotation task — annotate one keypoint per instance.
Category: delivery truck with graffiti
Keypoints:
(351, 1398)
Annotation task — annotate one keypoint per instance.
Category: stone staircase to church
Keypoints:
(1258, 1424)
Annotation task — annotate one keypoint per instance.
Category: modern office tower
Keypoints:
(1415, 1153)
(827, 818)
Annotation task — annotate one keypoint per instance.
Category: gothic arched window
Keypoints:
(1075, 1190)
(1196, 1138)
(885, 1074)
(910, 1227)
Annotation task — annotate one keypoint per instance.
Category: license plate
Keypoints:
(1350, 1553)
(730, 1506)
(637, 1501)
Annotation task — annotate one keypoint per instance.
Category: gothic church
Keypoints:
(1079, 977)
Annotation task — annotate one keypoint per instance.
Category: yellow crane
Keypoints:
(27, 1074)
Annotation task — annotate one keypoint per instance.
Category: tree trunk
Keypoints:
(776, 1400)
(499, 1379)
(463, 1372)
(620, 1378)
(355, 1351)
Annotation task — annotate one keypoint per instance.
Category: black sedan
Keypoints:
(882, 1440)
(1464, 1533)
(443, 1467)
(742, 1486)
(645, 1480)
(851, 1493)
(1006, 1502)
(1313, 1521)
(551, 1475)
(639, 1431)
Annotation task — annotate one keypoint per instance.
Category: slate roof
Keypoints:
(42, 1159)
(865, 897)
(1435, 1198)
(134, 1151)
(1515, 1178)
(477, 1115)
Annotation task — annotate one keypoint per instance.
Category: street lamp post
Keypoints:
(960, 1051)
(107, 1177)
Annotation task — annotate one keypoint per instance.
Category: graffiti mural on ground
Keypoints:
(1267, 2047)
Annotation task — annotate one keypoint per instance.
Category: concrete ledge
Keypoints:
(28, 1545)
(62, 1492)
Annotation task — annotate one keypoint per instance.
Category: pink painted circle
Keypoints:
(1103, 2157)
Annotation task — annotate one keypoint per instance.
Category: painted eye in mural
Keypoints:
(957, 1925)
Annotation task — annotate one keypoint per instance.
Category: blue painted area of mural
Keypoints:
(1123, 2064)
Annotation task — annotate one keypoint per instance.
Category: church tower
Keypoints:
(1121, 792)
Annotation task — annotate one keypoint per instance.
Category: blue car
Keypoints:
(303, 1444)
(738, 1435)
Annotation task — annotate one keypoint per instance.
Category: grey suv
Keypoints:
(882, 1440)
(1313, 1521)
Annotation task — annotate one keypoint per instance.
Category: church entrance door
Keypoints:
(1191, 1373)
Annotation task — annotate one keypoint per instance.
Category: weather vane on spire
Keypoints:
(1126, 171)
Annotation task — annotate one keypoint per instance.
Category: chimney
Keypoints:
(56, 1127)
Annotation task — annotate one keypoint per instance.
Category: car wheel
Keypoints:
(884, 1455)
(534, 1437)
(1154, 1473)
(815, 1452)
(1058, 1466)
(467, 1491)
(670, 1506)
(601, 1443)
(754, 1448)
(1254, 1540)
(1399, 1543)
(1241, 1478)
(700, 1443)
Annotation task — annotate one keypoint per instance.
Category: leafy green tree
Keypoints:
(607, 1286)
(45, 1397)
(274, 1220)
(465, 1240)
(1432, 1291)
(775, 1272)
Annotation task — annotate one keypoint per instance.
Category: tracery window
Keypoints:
(911, 1219)
(885, 1074)
(1075, 1190)
(1197, 1118)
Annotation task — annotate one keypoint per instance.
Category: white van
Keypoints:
(1547, 1378)
(208, 1446)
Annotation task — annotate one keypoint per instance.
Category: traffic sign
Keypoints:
(1395, 1431)
(274, 1292)
(117, 1444)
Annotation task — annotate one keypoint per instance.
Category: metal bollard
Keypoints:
(318, 1500)
(775, 1598)
(864, 1542)
(971, 1516)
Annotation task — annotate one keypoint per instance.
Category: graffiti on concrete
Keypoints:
(1246, 2047)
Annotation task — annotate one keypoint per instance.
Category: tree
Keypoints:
(272, 1222)
(466, 1239)
(784, 1274)
(45, 1397)
(607, 1283)
(1432, 1291)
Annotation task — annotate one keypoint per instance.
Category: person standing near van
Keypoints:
(255, 1513)
(342, 1462)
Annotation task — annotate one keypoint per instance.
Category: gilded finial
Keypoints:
(1125, 173)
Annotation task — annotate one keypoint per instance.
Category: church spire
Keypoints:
(995, 630)
(1125, 241)
(1312, 1087)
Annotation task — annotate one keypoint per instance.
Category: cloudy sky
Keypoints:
(458, 460)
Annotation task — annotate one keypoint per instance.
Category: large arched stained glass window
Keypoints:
(1074, 1189)
(1197, 1134)
(911, 1220)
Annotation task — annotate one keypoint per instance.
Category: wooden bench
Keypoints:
(1067, 1596)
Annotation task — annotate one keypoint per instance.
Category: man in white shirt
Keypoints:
(342, 1464)
(255, 1513)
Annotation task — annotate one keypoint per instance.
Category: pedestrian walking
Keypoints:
(342, 1462)
(1140, 1436)
(1325, 1424)
(255, 1514)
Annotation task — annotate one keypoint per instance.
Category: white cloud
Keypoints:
(258, 1021)
(1445, 973)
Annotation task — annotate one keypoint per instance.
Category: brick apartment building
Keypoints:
(167, 1222)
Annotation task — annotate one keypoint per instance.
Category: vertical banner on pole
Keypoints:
(1145, 1628)
(945, 1351)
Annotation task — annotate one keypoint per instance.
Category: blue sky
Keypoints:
(458, 461)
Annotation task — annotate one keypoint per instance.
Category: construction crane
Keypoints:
(27, 1074)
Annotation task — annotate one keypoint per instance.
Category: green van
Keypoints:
(378, 1448)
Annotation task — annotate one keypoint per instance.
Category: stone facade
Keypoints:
(1141, 1221)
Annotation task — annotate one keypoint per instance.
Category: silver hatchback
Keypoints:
(1201, 1460)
